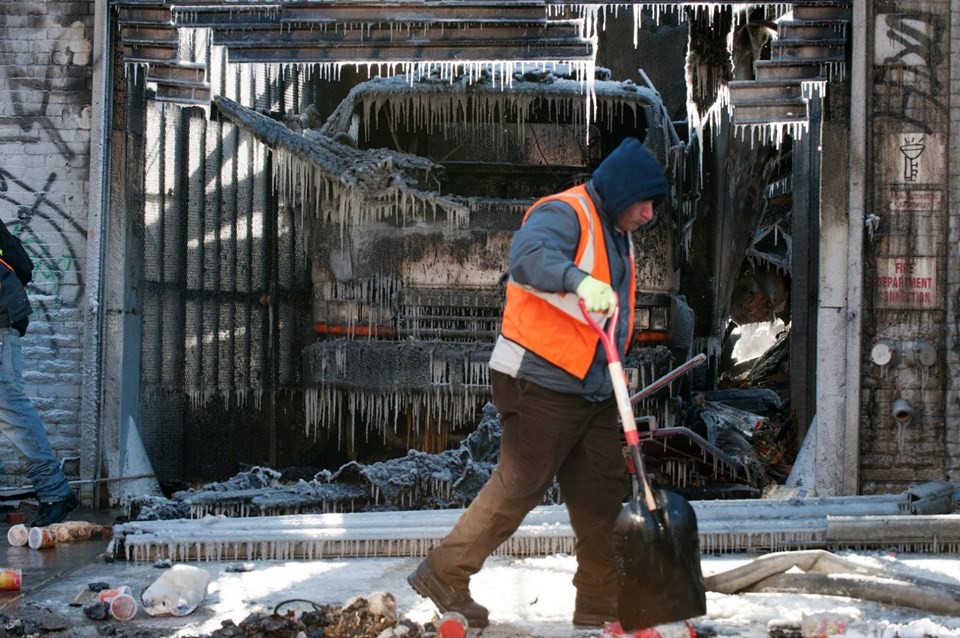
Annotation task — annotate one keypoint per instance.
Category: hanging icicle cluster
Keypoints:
(335, 181)
(431, 106)
(436, 390)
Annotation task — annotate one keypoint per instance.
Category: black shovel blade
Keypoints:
(658, 563)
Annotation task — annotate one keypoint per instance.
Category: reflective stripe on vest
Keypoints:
(551, 324)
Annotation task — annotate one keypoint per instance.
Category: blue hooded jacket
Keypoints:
(542, 251)
(630, 174)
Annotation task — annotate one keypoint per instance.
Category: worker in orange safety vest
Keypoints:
(552, 387)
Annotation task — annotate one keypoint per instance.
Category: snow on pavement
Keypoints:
(527, 597)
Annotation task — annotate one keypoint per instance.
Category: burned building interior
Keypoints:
(360, 173)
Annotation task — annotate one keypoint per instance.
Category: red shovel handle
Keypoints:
(606, 336)
(627, 418)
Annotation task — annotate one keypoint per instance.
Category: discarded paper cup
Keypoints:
(41, 538)
(10, 579)
(17, 535)
(123, 606)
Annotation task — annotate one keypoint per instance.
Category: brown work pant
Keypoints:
(545, 434)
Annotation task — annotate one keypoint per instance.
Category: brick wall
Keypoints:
(952, 331)
(910, 263)
(45, 79)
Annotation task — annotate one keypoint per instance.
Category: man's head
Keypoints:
(637, 215)
(631, 184)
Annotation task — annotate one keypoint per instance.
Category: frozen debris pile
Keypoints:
(372, 617)
(22, 627)
(421, 481)
(732, 430)
(417, 481)
(154, 508)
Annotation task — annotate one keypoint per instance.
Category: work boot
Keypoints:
(426, 583)
(55, 511)
(593, 611)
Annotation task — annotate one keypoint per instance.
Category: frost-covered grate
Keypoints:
(449, 315)
(724, 526)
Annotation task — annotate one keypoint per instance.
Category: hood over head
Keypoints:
(628, 175)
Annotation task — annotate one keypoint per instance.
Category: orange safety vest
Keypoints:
(551, 324)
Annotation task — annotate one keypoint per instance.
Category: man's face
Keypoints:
(636, 216)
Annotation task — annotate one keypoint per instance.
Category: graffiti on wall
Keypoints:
(909, 58)
(910, 41)
(49, 234)
(911, 119)
(44, 147)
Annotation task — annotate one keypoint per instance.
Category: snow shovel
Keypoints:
(659, 579)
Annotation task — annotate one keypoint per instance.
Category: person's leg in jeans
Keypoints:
(20, 423)
(539, 429)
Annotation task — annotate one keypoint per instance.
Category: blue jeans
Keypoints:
(20, 423)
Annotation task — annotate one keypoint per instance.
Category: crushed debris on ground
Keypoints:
(374, 616)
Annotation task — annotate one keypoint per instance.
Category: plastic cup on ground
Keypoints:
(123, 606)
(41, 538)
(18, 535)
(10, 579)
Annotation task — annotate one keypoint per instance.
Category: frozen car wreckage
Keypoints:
(413, 189)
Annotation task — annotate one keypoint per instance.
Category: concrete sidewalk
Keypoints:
(527, 597)
(54, 580)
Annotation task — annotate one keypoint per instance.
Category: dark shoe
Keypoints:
(426, 583)
(56, 511)
(594, 612)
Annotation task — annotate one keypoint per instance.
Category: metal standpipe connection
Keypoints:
(902, 411)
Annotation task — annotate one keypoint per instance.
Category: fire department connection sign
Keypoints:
(907, 282)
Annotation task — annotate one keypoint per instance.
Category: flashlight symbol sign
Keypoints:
(912, 149)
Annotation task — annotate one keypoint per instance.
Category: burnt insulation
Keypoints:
(416, 481)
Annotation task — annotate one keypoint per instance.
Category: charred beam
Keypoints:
(344, 162)
(390, 54)
(379, 34)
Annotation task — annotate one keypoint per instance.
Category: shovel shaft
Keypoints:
(657, 543)
(627, 417)
(620, 392)
(629, 424)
